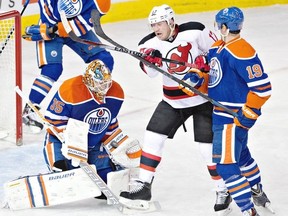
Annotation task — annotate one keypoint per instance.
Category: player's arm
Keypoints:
(260, 91)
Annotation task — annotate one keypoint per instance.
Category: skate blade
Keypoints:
(152, 207)
(269, 208)
(224, 212)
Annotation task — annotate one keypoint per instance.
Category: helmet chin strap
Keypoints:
(224, 36)
(172, 28)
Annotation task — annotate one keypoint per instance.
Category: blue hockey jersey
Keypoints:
(75, 100)
(79, 17)
(236, 78)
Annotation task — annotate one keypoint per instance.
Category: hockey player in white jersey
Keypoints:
(185, 43)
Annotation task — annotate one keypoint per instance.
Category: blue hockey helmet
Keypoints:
(232, 17)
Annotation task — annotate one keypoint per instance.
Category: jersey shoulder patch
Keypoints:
(116, 91)
(146, 38)
(191, 26)
(240, 48)
(74, 90)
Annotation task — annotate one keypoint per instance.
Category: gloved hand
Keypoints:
(202, 63)
(247, 117)
(39, 32)
(196, 79)
(153, 56)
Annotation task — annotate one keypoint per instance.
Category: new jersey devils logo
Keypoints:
(182, 54)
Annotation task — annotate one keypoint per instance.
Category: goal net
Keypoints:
(10, 72)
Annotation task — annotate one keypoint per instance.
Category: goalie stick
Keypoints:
(13, 28)
(119, 48)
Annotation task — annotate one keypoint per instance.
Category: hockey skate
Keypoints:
(260, 198)
(138, 198)
(250, 212)
(223, 200)
(30, 119)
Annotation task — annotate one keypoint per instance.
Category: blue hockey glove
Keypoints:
(39, 32)
(196, 79)
(247, 117)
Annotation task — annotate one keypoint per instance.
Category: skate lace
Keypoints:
(136, 185)
(221, 197)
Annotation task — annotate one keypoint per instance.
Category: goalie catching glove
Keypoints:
(196, 79)
(123, 150)
(39, 32)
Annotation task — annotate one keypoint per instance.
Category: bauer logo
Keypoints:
(98, 120)
(71, 8)
(61, 176)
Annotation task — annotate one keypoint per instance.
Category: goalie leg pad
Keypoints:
(43, 190)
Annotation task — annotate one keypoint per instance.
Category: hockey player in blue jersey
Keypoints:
(50, 37)
(96, 99)
(236, 79)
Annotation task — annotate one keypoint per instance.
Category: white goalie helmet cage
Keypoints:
(161, 13)
(97, 77)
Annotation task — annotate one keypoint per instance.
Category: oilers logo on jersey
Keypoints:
(71, 8)
(215, 73)
(98, 120)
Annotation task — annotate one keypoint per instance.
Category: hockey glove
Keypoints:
(123, 150)
(247, 117)
(202, 63)
(153, 56)
(75, 147)
(39, 32)
(196, 79)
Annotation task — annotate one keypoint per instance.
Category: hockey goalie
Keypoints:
(82, 128)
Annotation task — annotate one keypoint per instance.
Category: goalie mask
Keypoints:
(97, 78)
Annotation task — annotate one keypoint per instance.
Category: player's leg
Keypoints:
(228, 143)
(49, 57)
(159, 128)
(251, 171)
(202, 120)
(89, 53)
(53, 156)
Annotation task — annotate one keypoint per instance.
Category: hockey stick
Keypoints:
(99, 31)
(13, 28)
(83, 164)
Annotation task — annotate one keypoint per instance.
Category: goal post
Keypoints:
(11, 76)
